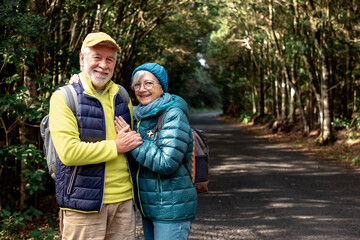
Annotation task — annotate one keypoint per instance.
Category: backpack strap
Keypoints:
(193, 158)
(158, 127)
(123, 93)
(70, 97)
(200, 135)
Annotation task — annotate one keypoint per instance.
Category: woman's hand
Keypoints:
(126, 140)
(74, 79)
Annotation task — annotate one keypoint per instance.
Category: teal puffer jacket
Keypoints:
(165, 190)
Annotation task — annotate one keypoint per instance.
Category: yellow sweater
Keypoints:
(72, 151)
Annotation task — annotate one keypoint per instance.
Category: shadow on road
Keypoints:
(263, 191)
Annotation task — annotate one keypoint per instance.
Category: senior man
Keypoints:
(93, 181)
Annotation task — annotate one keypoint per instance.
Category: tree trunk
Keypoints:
(313, 89)
(262, 93)
(283, 96)
(26, 132)
(326, 134)
(97, 22)
(290, 93)
(276, 96)
(253, 94)
(345, 94)
(355, 101)
(319, 105)
(304, 122)
(325, 122)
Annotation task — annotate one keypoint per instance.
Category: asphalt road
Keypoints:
(264, 191)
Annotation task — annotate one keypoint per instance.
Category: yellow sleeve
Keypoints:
(131, 113)
(65, 135)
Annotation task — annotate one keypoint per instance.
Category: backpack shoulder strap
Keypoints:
(200, 133)
(123, 93)
(70, 97)
(158, 126)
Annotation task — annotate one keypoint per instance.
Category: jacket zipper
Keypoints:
(137, 179)
(138, 190)
(159, 187)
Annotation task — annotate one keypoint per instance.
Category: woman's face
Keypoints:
(147, 89)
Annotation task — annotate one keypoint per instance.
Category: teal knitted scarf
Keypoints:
(143, 110)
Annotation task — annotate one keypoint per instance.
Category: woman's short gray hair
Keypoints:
(138, 75)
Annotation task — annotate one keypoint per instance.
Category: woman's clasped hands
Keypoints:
(126, 139)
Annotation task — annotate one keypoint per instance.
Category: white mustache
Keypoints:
(98, 69)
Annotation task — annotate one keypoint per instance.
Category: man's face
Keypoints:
(99, 65)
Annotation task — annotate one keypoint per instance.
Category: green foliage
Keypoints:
(12, 221)
(352, 135)
(47, 233)
(244, 117)
(349, 125)
(200, 90)
(356, 121)
(34, 176)
(19, 25)
(33, 161)
(356, 161)
(340, 157)
(20, 106)
(341, 123)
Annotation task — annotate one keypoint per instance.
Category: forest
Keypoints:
(278, 61)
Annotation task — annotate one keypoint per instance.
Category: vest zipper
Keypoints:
(131, 180)
(71, 182)
(102, 199)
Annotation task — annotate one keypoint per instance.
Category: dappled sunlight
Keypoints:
(201, 231)
(255, 190)
(293, 205)
(259, 190)
(278, 206)
(223, 135)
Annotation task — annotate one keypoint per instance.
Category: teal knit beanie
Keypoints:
(158, 71)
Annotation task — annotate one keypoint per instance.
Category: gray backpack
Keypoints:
(72, 102)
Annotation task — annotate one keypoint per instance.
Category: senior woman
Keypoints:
(166, 196)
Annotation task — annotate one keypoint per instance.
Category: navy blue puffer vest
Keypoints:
(82, 187)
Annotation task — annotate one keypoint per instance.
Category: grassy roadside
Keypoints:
(343, 151)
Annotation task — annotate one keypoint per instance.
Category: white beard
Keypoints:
(96, 78)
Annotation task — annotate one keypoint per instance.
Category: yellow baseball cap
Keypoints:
(95, 38)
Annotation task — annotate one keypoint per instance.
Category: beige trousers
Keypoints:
(114, 221)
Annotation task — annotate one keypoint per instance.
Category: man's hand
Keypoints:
(120, 123)
(126, 140)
